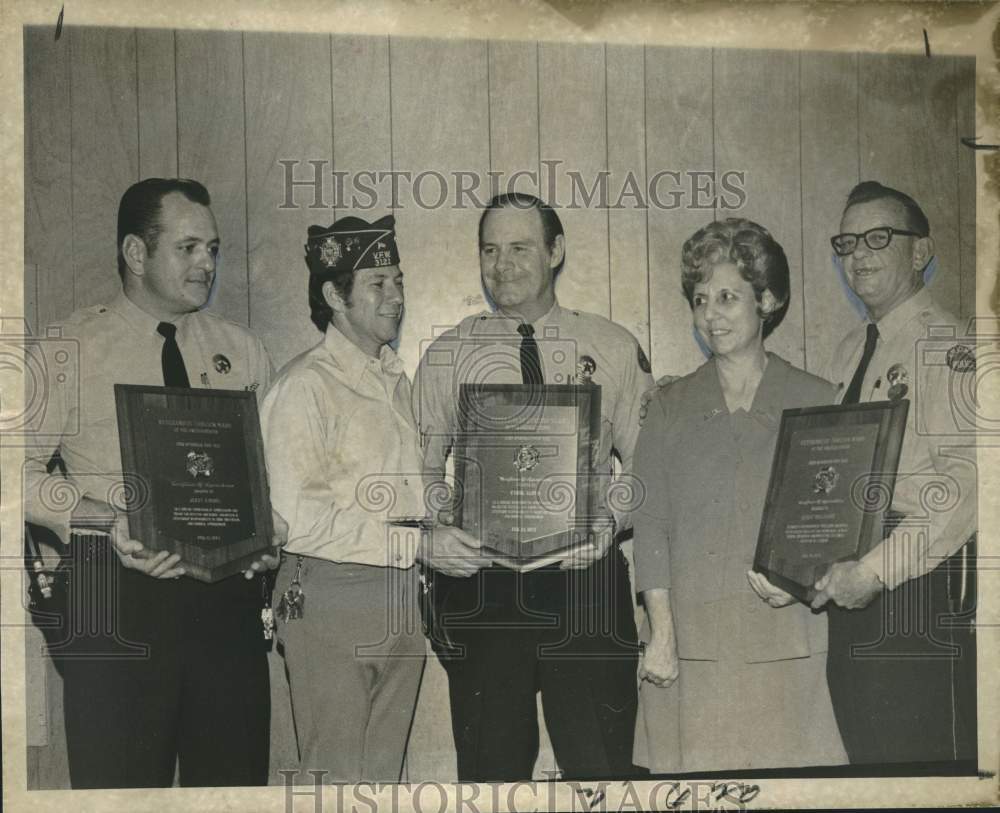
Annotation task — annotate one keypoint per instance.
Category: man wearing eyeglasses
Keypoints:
(901, 663)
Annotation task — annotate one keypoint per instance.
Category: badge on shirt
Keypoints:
(221, 363)
(585, 369)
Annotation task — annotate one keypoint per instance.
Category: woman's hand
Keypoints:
(774, 596)
(658, 663)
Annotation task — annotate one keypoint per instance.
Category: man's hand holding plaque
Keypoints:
(101, 519)
(449, 549)
(266, 560)
(601, 535)
(851, 585)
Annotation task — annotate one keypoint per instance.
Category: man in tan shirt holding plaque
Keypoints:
(161, 672)
(902, 655)
(565, 630)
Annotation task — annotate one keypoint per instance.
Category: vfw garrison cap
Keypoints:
(351, 244)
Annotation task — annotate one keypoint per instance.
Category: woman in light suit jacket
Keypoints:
(733, 672)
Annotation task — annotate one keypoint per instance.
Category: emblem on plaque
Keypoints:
(329, 252)
(526, 458)
(898, 378)
(199, 464)
(826, 480)
(585, 369)
(221, 363)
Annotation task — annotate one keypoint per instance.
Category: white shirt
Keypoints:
(343, 453)
(936, 483)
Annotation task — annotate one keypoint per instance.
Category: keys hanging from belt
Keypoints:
(267, 614)
(293, 600)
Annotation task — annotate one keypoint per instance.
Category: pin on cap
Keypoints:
(351, 244)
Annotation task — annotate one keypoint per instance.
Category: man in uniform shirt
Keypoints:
(182, 674)
(343, 455)
(901, 662)
(566, 629)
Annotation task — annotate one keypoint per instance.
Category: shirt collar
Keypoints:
(768, 401)
(550, 317)
(903, 314)
(355, 362)
(143, 322)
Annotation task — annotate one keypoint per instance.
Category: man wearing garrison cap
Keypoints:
(343, 456)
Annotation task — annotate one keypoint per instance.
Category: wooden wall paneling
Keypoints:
(513, 151)
(105, 153)
(679, 139)
(513, 73)
(907, 104)
(627, 247)
(828, 112)
(288, 118)
(757, 130)
(362, 124)
(440, 99)
(157, 102)
(48, 216)
(965, 127)
(440, 114)
(211, 149)
(572, 126)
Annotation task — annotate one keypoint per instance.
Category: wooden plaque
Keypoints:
(831, 487)
(195, 462)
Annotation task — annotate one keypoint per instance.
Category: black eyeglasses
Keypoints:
(876, 239)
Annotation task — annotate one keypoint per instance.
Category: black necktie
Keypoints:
(531, 363)
(174, 372)
(853, 394)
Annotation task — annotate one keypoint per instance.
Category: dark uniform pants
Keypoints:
(160, 671)
(902, 671)
(570, 635)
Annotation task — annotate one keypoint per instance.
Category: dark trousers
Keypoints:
(160, 672)
(902, 672)
(503, 636)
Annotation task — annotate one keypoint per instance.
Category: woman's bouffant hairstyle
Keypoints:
(759, 258)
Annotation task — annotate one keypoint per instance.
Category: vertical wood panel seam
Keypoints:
(962, 310)
(392, 153)
(246, 170)
(177, 114)
(138, 123)
(607, 168)
(333, 135)
(715, 207)
(645, 161)
(538, 113)
(802, 227)
(489, 112)
(72, 174)
(857, 108)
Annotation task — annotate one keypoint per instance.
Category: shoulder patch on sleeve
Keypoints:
(644, 364)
